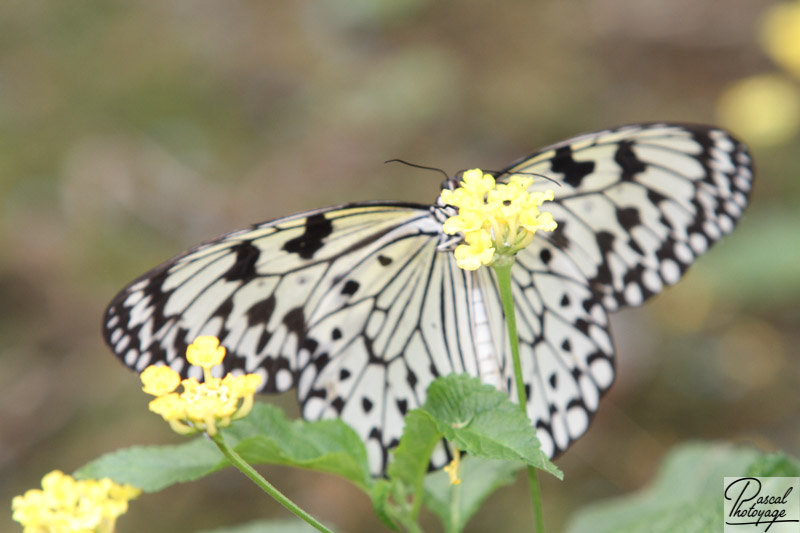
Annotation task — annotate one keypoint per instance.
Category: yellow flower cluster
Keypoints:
(497, 219)
(765, 108)
(66, 505)
(201, 406)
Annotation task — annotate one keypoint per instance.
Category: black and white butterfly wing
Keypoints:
(352, 305)
(635, 206)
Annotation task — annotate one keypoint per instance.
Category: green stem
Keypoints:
(455, 495)
(503, 272)
(237, 461)
(455, 525)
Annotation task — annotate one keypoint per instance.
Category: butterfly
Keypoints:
(361, 306)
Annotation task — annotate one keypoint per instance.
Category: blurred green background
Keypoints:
(130, 131)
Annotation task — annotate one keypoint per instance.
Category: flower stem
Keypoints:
(237, 461)
(503, 272)
(455, 522)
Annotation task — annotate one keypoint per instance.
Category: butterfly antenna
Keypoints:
(447, 176)
(548, 178)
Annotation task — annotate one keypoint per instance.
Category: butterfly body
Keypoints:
(360, 306)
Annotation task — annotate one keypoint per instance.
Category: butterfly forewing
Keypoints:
(637, 204)
(361, 306)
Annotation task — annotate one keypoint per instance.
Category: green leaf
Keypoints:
(392, 500)
(381, 496)
(264, 436)
(479, 478)
(481, 420)
(152, 468)
(266, 526)
(774, 465)
(686, 495)
(411, 457)
(478, 419)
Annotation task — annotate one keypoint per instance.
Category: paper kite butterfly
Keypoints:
(360, 306)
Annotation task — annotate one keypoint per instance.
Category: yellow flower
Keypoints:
(203, 406)
(159, 380)
(66, 505)
(780, 35)
(497, 220)
(763, 109)
(478, 250)
(205, 351)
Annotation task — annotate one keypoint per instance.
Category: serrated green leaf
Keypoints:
(686, 495)
(478, 419)
(266, 526)
(152, 468)
(480, 477)
(481, 420)
(265, 436)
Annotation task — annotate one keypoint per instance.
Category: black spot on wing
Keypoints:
(628, 217)
(605, 241)
(573, 171)
(366, 404)
(317, 227)
(385, 261)
(338, 404)
(402, 406)
(627, 161)
(244, 269)
(558, 237)
(295, 321)
(261, 312)
(350, 287)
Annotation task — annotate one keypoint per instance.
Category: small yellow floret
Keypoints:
(478, 250)
(497, 219)
(205, 352)
(205, 406)
(66, 505)
(159, 380)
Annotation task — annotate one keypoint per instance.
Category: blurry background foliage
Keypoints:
(130, 131)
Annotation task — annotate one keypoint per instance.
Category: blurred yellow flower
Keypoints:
(780, 35)
(159, 380)
(201, 406)
(497, 219)
(205, 351)
(66, 505)
(763, 109)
